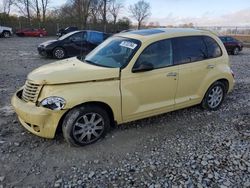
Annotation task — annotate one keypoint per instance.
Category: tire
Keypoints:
(40, 35)
(214, 96)
(6, 34)
(85, 125)
(59, 53)
(236, 51)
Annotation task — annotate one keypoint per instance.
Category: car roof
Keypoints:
(147, 34)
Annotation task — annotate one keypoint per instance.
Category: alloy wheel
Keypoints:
(215, 97)
(88, 128)
(59, 53)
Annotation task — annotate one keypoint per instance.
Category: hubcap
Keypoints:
(88, 128)
(215, 97)
(59, 53)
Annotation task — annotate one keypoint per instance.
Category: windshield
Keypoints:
(115, 52)
(67, 35)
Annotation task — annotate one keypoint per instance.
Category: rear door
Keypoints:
(194, 57)
(151, 92)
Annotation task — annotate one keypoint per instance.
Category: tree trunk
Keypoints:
(139, 25)
(44, 9)
(28, 11)
(38, 16)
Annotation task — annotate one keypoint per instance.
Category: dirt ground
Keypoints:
(186, 148)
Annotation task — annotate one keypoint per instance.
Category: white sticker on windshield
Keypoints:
(128, 44)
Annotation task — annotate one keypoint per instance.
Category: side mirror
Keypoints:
(143, 67)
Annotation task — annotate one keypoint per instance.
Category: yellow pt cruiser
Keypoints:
(128, 77)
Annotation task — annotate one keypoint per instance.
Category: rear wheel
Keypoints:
(59, 53)
(6, 34)
(214, 96)
(236, 51)
(85, 125)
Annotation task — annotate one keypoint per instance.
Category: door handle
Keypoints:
(172, 74)
(210, 66)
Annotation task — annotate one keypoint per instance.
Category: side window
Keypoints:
(189, 49)
(78, 37)
(95, 37)
(213, 49)
(159, 54)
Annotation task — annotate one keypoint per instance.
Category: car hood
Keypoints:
(48, 42)
(71, 70)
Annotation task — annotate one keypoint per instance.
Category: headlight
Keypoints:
(53, 103)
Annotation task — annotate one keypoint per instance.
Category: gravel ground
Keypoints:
(185, 148)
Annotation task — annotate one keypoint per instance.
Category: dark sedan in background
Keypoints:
(232, 45)
(72, 44)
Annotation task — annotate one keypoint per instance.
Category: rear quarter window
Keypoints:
(213, 48)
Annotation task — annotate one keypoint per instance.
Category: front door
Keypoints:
(76, 44)
(150, 92)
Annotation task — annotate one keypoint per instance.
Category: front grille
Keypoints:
(31, 91)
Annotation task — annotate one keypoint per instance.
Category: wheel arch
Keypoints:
(222, 80)
(6, 31)
(103, 105)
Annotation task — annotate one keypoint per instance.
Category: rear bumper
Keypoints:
(38, 120)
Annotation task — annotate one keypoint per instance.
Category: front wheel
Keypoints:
(214, 96)
(59, 53)
(85, 125)
(6, 34)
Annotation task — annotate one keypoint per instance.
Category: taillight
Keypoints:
(232, 72)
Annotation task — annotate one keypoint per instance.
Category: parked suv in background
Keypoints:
(72, 44)
(232, 45)
(129, 76)
(5, 32)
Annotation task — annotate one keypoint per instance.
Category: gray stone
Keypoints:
(150, 174)
(2, 178)
(58, 183)
(199, 185)
(79, 182)
(204, 163)
(2, 141)
(17, 144)
(96, 161)
(104, 172)
(210, 157)
(247, 184)
(157, 185)
(210, 176)
(91, 174)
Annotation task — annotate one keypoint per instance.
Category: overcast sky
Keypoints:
(199, 12)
